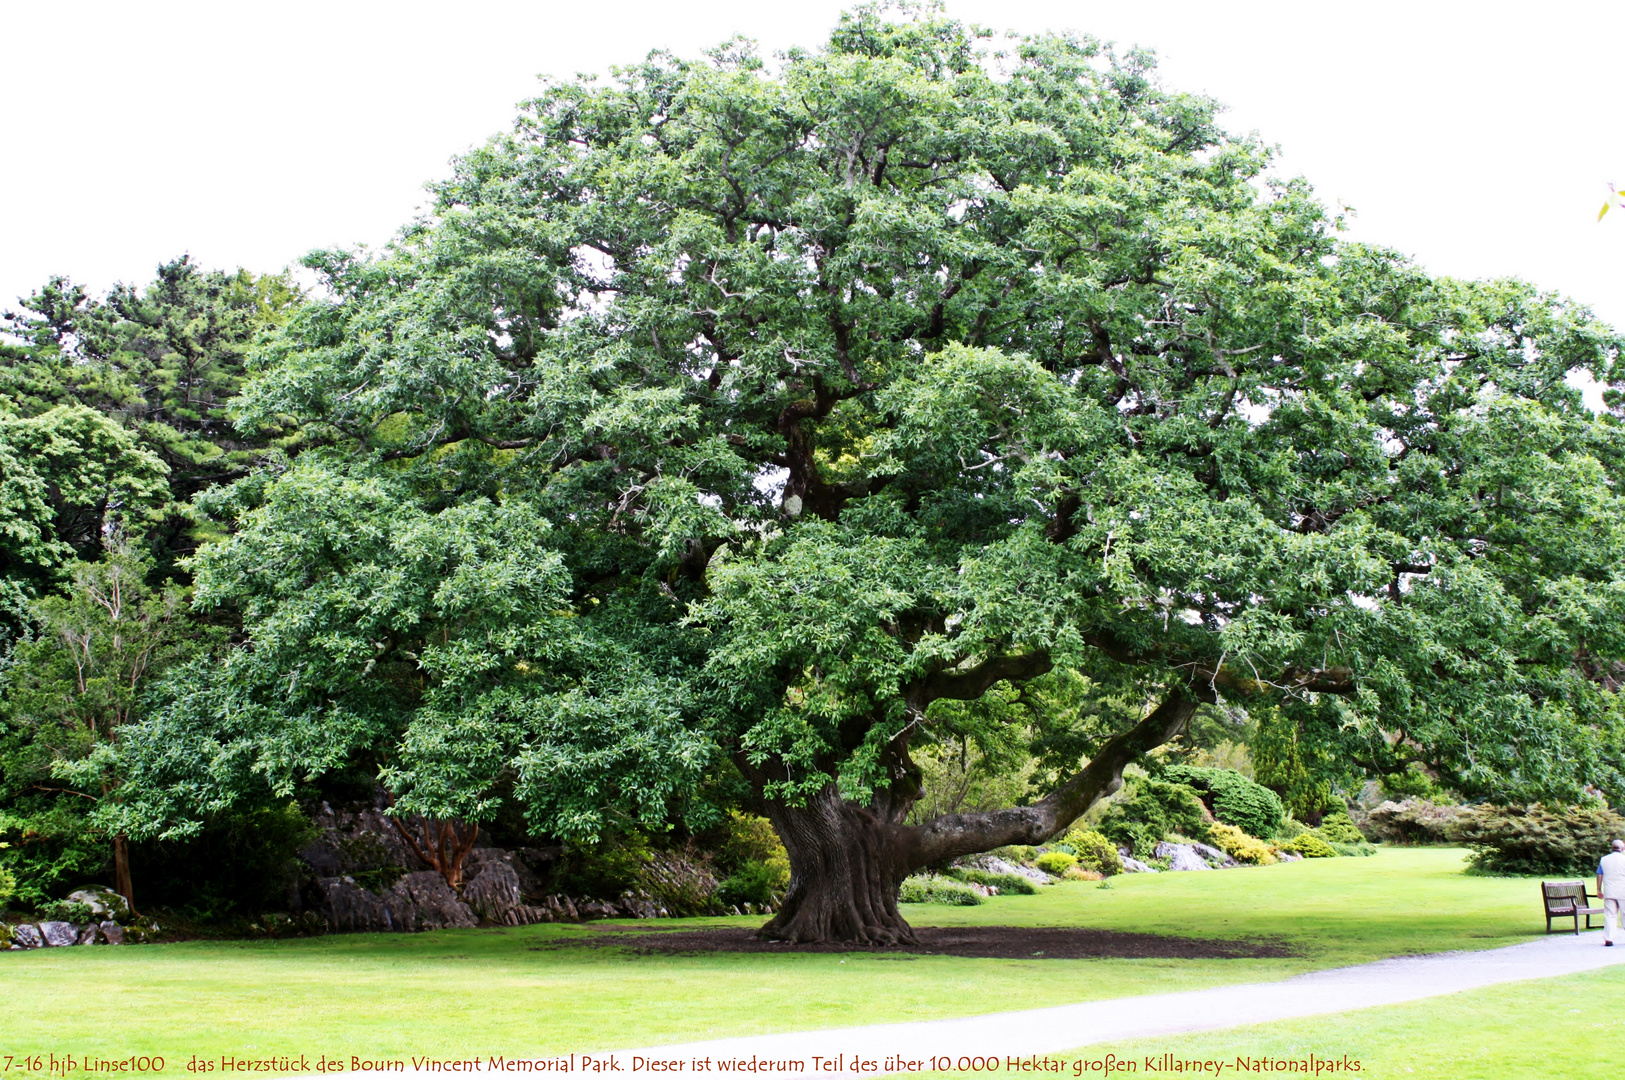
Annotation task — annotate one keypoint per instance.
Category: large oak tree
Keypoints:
(819, 392)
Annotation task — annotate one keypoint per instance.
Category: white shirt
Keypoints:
(1612, 871)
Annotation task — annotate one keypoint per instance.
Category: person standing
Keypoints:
(1611, 887)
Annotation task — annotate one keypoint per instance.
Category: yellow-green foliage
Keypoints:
(8, 885)
(1055, 862)
(1094, 851)
(1310, 846)
(1238, 845)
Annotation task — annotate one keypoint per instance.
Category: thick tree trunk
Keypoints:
(121, 870)
(846, 862)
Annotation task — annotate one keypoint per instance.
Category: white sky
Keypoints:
(1479, 137)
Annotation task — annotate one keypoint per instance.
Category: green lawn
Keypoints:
(1535, 1030)
(493, 991)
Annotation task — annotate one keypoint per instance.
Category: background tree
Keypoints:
(161, 361)
(900, 375)
(71, 691)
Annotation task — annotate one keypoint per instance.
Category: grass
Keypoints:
(514, 992)
(1534, 1030)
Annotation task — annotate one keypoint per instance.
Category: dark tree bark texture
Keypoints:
(847, 859)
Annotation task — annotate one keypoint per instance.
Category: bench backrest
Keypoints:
(1563, 895)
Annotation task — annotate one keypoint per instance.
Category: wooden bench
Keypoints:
(1567, 899)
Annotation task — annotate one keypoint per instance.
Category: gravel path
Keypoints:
(895, 1047)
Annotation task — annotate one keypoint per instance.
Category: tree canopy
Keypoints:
(778, 417)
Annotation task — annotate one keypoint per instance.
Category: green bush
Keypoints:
(1413, 821)
(1148, 809)
(1055, 863)
(752, 883)
(8, 886)
(924, 889)
(1537, 839)
(1338, 828)
(1291, 828)
(1232, 798)
(1360, 850)
(757, 864)
(1005, 883)
(1095, 851)
(1310, 846)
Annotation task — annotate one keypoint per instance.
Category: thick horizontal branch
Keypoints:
(968, 684)
(953, 835)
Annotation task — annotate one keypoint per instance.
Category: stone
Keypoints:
(417, 901)
(1181, 857)
(995, 865)
(1135, 866)
(28, 936)
(88, 933)
(103, 902)
(59, 933)
(112, 932)
(1215, 855)
(493, 893)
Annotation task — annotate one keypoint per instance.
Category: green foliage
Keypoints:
(1362, 849)
(8, 887)
(1238, 845)
(1338, 828)
(67, 911)
(1232, 798)
(1094, 851)
(1148, 810)
(1007, 884)
(1298, 769)
(1413, 821)
(1055, 863)
(930, 889)
(1537, 839)
(1310, 846)
(755, 883)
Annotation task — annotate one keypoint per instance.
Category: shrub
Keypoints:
(1078, 873)
(758, 865)
(1536, 839)
(1232, 798)
(1095, 851)
(1291, 828)
(1005, 883)
(1055, 863)
(1310, 846)
(753, 883)
(1238, 845)
(8, 887)
(1338, 828)
(924, 889)
(1360, 850)
(1148, 809)
(1413, 821)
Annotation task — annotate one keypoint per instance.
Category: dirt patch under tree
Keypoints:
(989, 942)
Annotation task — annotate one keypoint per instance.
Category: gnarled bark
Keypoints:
(847, 859)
